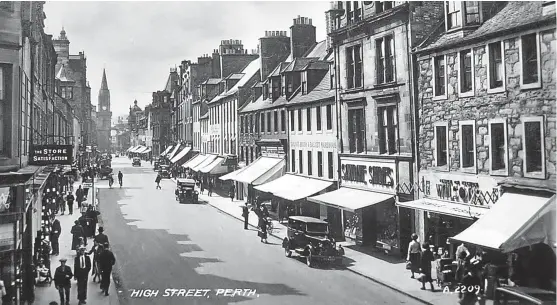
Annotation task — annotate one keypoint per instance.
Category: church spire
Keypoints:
(104, 85)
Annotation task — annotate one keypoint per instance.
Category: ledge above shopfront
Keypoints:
(466, 211)
(350, 199)
(293, 187)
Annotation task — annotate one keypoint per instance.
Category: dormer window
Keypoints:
(304, 82)
(353, 11)
(275, 83)
(462, 13)
(381, 6)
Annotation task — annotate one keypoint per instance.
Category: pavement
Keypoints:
(164, 248)
(375, 266)
(47, 294)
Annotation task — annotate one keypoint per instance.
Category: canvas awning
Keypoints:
(259, 171)
(194, 161)
(173, 152)
(466, 211)
(166, 150)
(208, 159)
(138, 148)
(230, 176)
(293, 187)
(350, 199)
(180, 155)
(143, 150)
(504, 226)
(215, 167)
(131, 149)
(148, 150)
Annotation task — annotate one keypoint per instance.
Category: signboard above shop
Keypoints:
(51, 154)
(368, 174)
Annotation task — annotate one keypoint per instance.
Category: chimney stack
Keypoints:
(302, 36)
(273, 49)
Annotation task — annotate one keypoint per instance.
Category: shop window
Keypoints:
(466, 72)
(319, 164)
(299, 119)
(533, 147)
(530, 55)
(381, 6)
(318, 117)
(251, 123)
(242, 154)
(329, 110)
(256, 123)
(356, 130)
(496, 74)
(354, 66)
(275, 120)
(330, 165)
(293, 162)
(498, 146)
(310, 163)
(283, 120)
(441, 145)
(241, 124)
(385, 60)
(467, 145)
(439, 79)
(387, 120)
(292, 120)
(308, 119)
(251, 153)
(301, 161)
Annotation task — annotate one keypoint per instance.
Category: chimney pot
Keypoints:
(266, 33)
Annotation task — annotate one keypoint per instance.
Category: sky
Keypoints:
(138, 42)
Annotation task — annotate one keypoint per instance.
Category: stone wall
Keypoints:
(511, 104)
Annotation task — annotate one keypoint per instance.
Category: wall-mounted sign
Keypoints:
(51, 154)
(272, 151)
(461, 188)
(313, 144)
(368, 174)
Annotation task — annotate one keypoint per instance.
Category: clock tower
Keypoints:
(104, 117)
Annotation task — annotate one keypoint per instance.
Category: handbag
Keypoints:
(408, 265)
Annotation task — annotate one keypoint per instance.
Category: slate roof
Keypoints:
(205, 116)
(299, 64)
(249, 71)
(62, 74)
(212, 81)
(317, 65)
(235, 76)
(171, 81)
(319, 50)
(280, 68)
(261, 104)
(515, 14)
(321, 92)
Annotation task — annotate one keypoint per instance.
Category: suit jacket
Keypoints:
(62, 276)
(106, 260)
(56, 229)
(101, 239)
(79, 194)
(81, 272)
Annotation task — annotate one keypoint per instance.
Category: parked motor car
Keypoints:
(156, 166)
(136, 161)
(164, 171)
(309, 237)
(185, 191)
(523, 295)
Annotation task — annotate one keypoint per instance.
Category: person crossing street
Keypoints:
(120, 178)
(158, 182)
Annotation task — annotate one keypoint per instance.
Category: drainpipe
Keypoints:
(338, 112)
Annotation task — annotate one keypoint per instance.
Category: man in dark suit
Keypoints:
(79, 194)
(245, 214)
(62, 281)
(106, 261)
(77, 232)
(70, 200)
(82, 266)
(54, 236)
(101, 238)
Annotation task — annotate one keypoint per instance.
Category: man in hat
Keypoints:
(54, 236)
(77, 232)
(70, 200)
(106, 261)
(82, 266)
(80, 196)
(62, 281)
(101, 238)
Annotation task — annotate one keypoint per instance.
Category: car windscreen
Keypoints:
(317, 228)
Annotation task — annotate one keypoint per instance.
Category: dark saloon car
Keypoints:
(136, 161)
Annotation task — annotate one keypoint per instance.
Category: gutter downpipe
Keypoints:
(338, 112)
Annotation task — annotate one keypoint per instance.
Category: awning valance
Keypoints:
(503, 226)
(260, 170)
(446, 208)
(294, 187)
(173, 152)
(350, 199)
(133, 148)
(137, 149)
(232, 175)
(130, 148)
(208, 159)
(194, 161)
(143, 150)
(215, 167)
(166, 150)
(180, 155)
(147, 151)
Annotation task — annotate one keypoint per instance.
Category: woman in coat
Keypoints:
(262, 229)
(414, 254)
(77, 232)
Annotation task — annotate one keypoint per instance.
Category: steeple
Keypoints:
(63, 35)
(104, 85)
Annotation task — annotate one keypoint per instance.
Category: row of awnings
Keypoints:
(207, 164)
(140, 149)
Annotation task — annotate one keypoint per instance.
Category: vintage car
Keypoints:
(136, 161)
(164, 171)
(104, 172)
(523, 295)
(309, 237)
(156, 166)
(185, 191)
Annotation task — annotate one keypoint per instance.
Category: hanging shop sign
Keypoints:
(368, 174)
(460, 188)
(51, 154)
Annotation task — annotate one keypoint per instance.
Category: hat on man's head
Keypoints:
(101, 229)
(106, 245)
(63, 259)
(76, 222)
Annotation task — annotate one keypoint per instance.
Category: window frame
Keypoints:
(381, 61)
(327, 107)
(293, 161)
(489, 63)
(283, 120)
(304, 82)
(434, 78)
(308, 120)
(505, 171)
(473, 168)
(318, 119)
(351, 66)
(299, 120)
(292, 121)
(330, 165)
(462, 16)
(363, 137)
(541, 120)
(380, 6)
(538, 83)
(275, 121)
(310, 162)
(320, 164)
(435, 148)
(461, 71)
(262, 126)
(300, 161)
(381, 111)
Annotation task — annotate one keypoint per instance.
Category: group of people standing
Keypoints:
(263, 224)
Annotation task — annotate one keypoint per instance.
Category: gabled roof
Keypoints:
(261, 104)
(249, 71)
(299, 63)
(62, 74)
(171, 82)
(211, 81)
(319, 50)
(515, 14)
(279, 69)
(321, 92)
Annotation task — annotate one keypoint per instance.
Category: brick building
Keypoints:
(486, 97)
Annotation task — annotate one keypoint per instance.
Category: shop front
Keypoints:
(167, 150)
(219, 166)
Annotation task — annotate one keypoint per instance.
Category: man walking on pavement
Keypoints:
(62, 281)
(70, 199)
(232, 192)
(120, 178)
(82, 266)
(106, 261)
(79, 194)
(158, 181)
(101, 238)
(245, 213)
(54, 236)
(210, 188)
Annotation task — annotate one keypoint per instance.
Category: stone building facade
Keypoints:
(104, 117)
(486, 98)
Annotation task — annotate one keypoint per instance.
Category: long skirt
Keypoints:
(415, 261)
(262, 234)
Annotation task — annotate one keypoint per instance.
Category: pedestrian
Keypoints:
(96, 250)
(264, 211)
(60, 202)
(106, 261)
(262, 229)
(62, 281)
(54, 236)
(120, 178)
(101, 238)
(77, 232)
(202, 185)
(232, 192)
(82, 266)
(471, 282)
(158, 182)
(70, 200)
(245, 214)
(79, 194)
(210, 188)
(425, 266)
(93, 218)
(414, 253)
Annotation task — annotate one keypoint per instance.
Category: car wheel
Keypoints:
(287, 252)
(309, 260)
